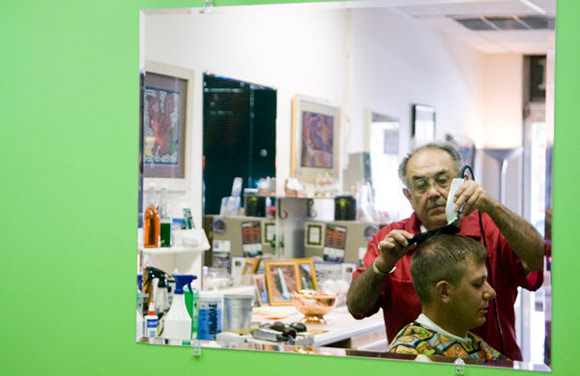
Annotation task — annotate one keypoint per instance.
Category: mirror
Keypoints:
(382, 56)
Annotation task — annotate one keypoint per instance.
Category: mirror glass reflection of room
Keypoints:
(366, 67)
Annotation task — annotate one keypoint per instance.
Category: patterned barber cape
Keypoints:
(418, 339)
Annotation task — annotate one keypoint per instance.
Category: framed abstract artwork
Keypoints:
(315, 139)
(166, 100)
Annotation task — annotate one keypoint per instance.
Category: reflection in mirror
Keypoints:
(467, 60)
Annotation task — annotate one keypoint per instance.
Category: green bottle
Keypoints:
(165, 233)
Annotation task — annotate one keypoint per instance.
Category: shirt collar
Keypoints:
(429, 324)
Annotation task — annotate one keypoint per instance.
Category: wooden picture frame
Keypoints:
(315, 139)
(166, 122)
(281, 280)
(423, 124)
(261, 289)
(251, 265)
(307, 274)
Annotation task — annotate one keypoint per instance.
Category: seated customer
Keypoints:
(450, 278)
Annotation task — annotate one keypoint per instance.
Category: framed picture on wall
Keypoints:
(281, 280)
(166, 117)
(423, 124)
(315, 139)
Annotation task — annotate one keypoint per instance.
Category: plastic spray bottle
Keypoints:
(177, 321)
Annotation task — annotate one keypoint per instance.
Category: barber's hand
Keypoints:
(474, 197)
(395, 245)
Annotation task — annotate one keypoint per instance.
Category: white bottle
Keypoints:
(177, 325)
(151, 322)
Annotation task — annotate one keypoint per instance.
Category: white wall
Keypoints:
(395, 61)
(399, 61)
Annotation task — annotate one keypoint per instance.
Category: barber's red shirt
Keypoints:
(400, 302)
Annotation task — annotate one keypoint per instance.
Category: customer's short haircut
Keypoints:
(443, 257)
(441, 145)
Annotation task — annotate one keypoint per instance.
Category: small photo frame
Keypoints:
(423, 124)
(281, 280)
(261, 289)
(315, 139)
(236, 265)
(269, 232)
(251, 265)
(307, 274)
(314, 235)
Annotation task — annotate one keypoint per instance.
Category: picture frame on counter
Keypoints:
(251, 264)
(261, 289)
(281, 280)
(166, 124)
(315, 139)
(307, 274)
(236, 266)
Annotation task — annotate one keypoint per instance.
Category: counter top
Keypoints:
(340, 325)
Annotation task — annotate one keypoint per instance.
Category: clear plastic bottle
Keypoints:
(151, 225)
(165, 218)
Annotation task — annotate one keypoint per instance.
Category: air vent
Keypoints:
(483, 23)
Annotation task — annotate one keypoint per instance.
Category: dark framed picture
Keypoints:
(166, 123)
(423, 124)
(315, 139)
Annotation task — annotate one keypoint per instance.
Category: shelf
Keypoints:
(173, 250)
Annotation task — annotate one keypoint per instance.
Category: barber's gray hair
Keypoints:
(443, 257)
(442, 145)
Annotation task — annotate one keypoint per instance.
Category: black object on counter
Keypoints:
(255, 206)
(344, 208)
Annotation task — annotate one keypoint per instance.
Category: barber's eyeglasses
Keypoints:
(422, 184)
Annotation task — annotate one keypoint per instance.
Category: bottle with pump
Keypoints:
(151, 221)
(150, 289)
(161, 303)
(165, 218)
(178, 323)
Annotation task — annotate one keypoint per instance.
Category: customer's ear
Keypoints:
(442, 291)
(407, 193)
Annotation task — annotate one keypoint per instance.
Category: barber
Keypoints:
(515, 249)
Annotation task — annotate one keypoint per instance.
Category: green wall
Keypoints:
(69, 126)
